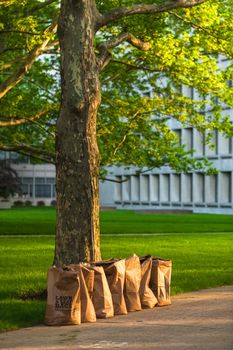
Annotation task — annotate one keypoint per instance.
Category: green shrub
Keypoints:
(40, 203)
(18, 203)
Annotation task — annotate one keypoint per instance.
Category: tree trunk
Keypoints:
(77, 155)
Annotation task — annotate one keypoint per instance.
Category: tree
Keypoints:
(131, 47)
(9, 181)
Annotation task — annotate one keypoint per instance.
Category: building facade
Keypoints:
(163, 189)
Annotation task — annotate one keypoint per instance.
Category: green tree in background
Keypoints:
(9, 180)
(112, 54)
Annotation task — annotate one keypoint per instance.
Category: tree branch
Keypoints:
(18, 31)
(27, 150)
(128, 130)
(104, 47)
(18, 75)
(125, 36)
(40, 6)
(138, 9)
(134, 66)
(13, 121)
(113, 180)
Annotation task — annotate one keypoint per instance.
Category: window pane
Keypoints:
(211, 189)
(225, 187)
(50, 180)
(118, 189)
(187, 188)
(164, 188)
(40, 180)
(27, 180)
(154, 192)
(175, 188)
(43, 191)
(144, 188)
(135, 188)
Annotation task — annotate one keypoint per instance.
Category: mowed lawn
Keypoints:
(41, 221)
(202, 256)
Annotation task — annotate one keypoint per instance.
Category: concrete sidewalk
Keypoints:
(200, 320)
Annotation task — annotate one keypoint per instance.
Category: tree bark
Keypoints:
(77, 155)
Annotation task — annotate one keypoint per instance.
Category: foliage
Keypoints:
(9, 180)
(141, 90)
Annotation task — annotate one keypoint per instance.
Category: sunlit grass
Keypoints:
(199, 261)
(41, 221)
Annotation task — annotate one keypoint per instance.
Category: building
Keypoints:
(162, 189)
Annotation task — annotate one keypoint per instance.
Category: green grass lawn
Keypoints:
(200, 260)
(34, 221)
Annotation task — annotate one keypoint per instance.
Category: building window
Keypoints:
(27, 180)
(224, 144)
(135, 190)
(39, 180)
(118, 189)
(225, 187)
(211, 189)
(187, 188)
(43, 191)
(187, 138)
(50, 180)
(154, 191)
(175, 188)
(164, 188)
(198, 143)
(27, 186)
(199, 188)
(126, 188)
(178, 135)
(144, 187)
(211, 148)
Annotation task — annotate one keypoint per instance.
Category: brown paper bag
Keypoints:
(132, 283)
(160, 281)
(115, 272)
(63, 298)
(147, 297)
(89, 276)
(86, 277)
(102, 298)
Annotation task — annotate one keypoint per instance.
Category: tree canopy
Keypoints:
(146, 58)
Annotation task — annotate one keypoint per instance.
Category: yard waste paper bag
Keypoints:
(132, 283)
(115, 273)
(160, 281)
(147, 297)
(102, 298)
(86, 278)
(63, 297)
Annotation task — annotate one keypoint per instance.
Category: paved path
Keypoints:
(195, 321)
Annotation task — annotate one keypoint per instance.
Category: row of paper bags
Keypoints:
(83, 292)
